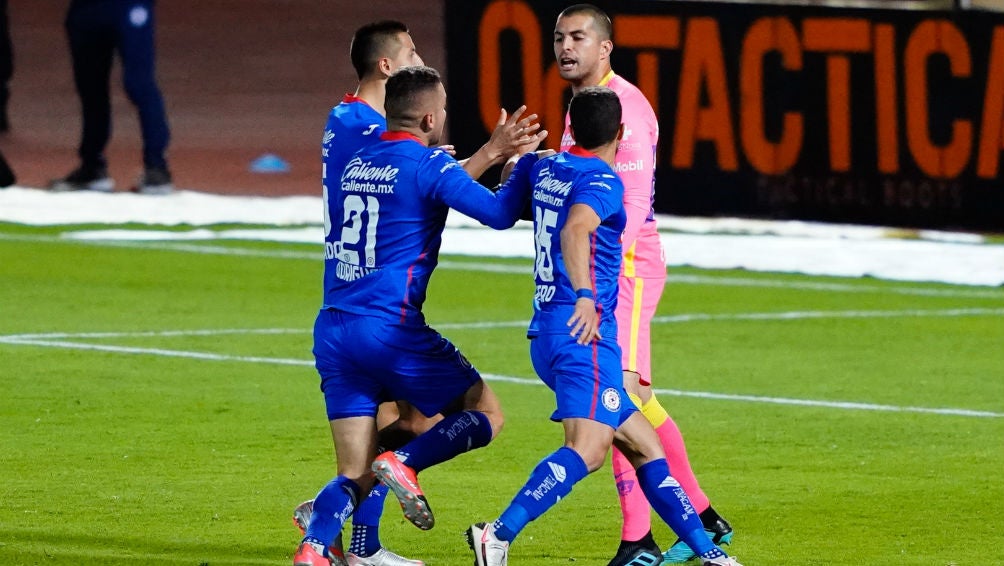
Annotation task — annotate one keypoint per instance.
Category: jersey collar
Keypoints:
(580, 151)
(399, 136)
(349, 98)
(607, 78)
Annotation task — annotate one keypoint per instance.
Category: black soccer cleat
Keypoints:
(642, 552)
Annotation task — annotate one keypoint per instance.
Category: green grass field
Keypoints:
(159, 407)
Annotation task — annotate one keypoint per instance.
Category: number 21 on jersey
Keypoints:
(352, 239)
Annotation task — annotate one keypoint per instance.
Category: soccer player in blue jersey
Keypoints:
(582, 47)
(578, 217)
(386, 216)
(376, 51)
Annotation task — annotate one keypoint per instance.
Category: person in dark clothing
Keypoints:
(6, 65)
(96, 30)
(6, 70)
(7, 177)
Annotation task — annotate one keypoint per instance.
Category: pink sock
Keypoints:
(679, 464)
(634, 507)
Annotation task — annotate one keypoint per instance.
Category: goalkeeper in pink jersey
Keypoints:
(582, 46)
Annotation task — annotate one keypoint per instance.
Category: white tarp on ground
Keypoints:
(798, 247)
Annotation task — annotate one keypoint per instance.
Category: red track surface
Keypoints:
(240, 78)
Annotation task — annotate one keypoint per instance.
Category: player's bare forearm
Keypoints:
(477, 164)
(575, 246)
(582, 221)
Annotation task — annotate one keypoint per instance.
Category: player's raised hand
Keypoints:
(515, 134)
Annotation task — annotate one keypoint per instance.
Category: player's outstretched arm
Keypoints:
(499, 209)
(510, 164)
(513, 135)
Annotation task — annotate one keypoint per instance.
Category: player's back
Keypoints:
(351, 125)
(559, 182)
(386, 230)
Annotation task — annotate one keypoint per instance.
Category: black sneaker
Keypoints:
(643, 552)
(155, 181)
(7, 177)
(84, 178)
(4, 120)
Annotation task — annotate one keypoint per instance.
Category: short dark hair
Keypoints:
(600, 18)
(373, 41)
(404, 87)
(595, 116)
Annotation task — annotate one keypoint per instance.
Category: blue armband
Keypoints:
(585, 294)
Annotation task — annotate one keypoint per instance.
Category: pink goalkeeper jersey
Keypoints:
(643, 256)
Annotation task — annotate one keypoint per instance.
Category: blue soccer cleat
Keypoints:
(720, 533)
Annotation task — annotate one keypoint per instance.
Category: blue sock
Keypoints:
(551, 480)
(332, 508)
(366, 523)
(673, 506)
(452, 436)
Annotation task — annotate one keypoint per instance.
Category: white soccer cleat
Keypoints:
(488, 549)
(382, 557)
(301, 515)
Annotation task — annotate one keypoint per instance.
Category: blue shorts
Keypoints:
(587, 380)
(364, 361)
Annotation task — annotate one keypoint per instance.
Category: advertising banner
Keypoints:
(789, 112)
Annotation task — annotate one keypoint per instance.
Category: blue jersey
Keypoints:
(352, 125)
(387, 215)
(573, 177)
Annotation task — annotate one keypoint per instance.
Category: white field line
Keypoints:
(154, 333)
(812, 315)
(66, 551)
(665, 319)
(723, 281)
(209, 249)
(154, 352)
(846, 405)
(834, 287)
(58, 340)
